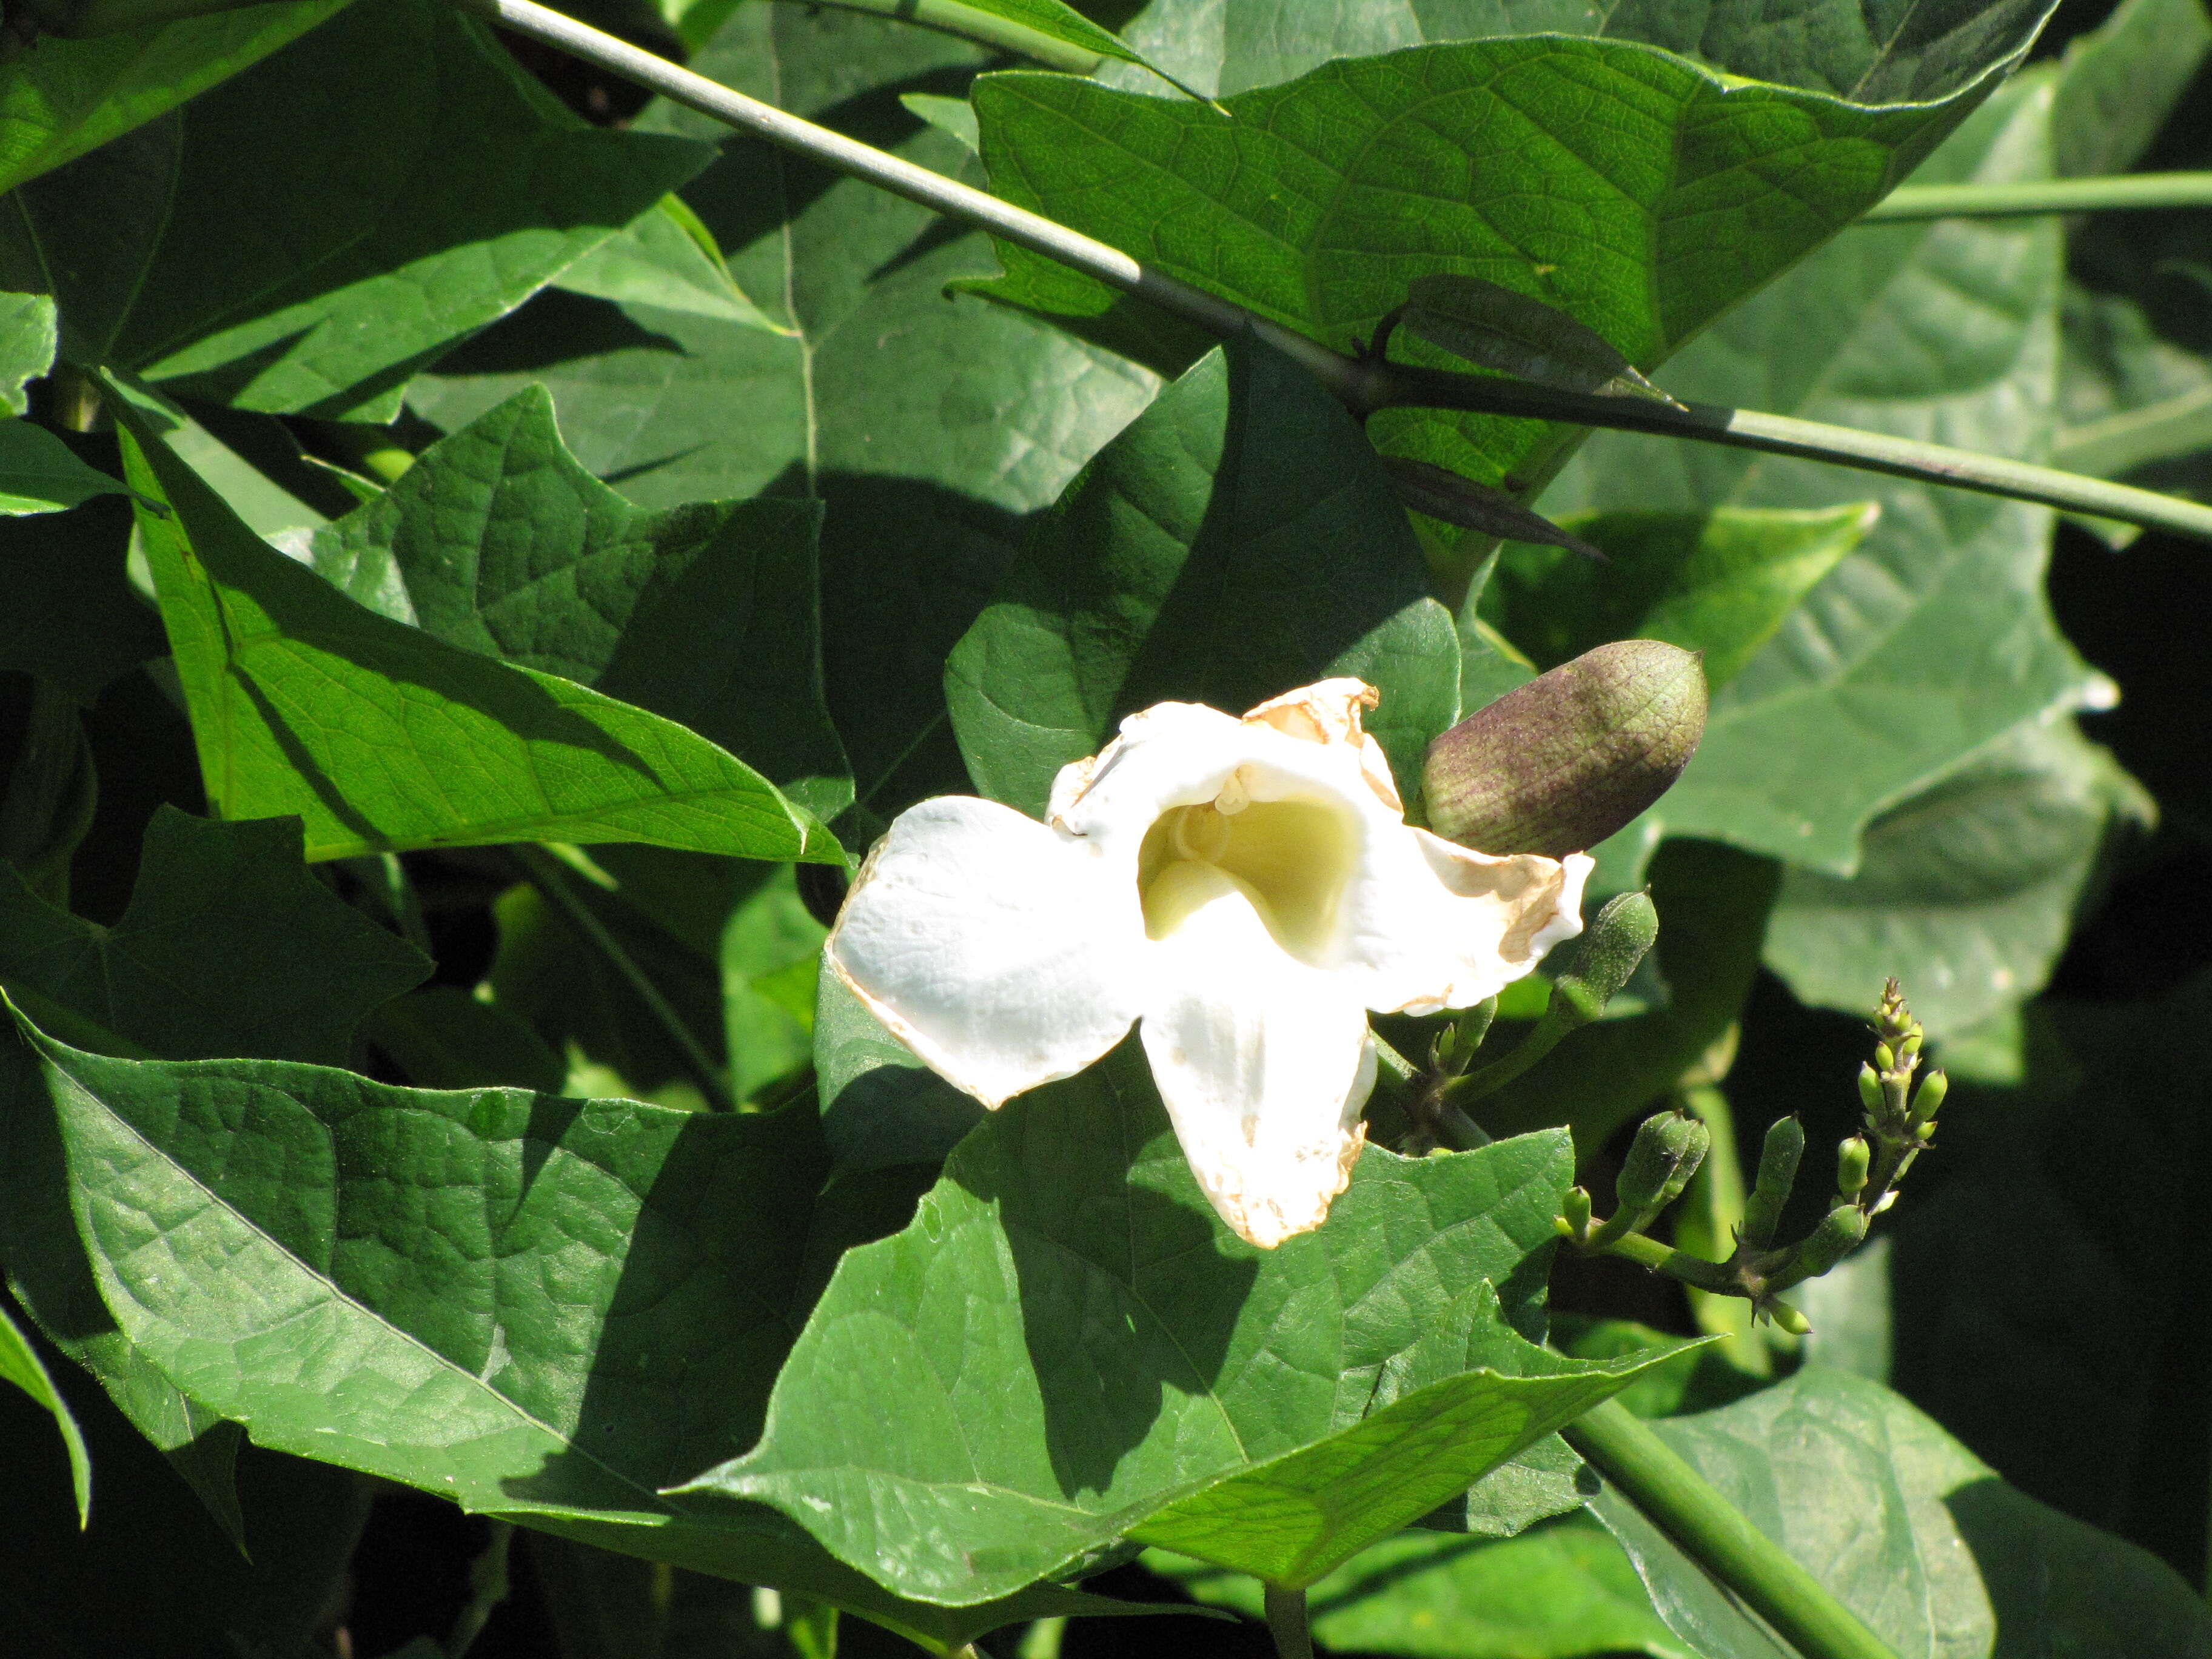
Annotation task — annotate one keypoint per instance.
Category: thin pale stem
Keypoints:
(1001, 34)
(1364, 385)
(1286, 1623)
(545, 874)
(488, 1587)
(1715, 1532)
(2105, 194)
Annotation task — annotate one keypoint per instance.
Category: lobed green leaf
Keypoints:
(382, 737)
(1066, 1342)
(1237, 540)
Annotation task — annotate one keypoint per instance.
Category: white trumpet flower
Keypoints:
(1247, 890)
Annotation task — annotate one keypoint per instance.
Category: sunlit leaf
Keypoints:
(1239, 540)
(1067, 1341)
(381, 737)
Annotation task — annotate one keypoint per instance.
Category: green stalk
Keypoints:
(1812, 441)
(1364, 385)
(1715, 1534)
(1001, 34)
(1706, 1224)
(2115, 192)
(2120, 443)
(544, 873)
(1286, 1622)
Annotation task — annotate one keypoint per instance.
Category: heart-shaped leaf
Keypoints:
(1239, 540)
(381, 737)
(1064, 1346)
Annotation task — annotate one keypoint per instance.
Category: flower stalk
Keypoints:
(1664, 1487)
(1899, 1125)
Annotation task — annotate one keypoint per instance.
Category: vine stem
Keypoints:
(544, 873)
(1286, 1622)
(2102, 194)
(1364, 385)
(1666, 1488)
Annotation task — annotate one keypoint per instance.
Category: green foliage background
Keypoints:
(480, 556)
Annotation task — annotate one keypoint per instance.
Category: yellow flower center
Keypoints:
(1291, 861)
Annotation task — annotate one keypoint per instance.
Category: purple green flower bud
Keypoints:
(1778, 1173)
(1562, 763)
(1853, 1159)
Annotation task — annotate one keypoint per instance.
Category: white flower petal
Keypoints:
(1436, 925)
(1264, 1062)
(1004, 953)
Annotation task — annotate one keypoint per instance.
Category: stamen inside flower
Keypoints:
(1292, 859)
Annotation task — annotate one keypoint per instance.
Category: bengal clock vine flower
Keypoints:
(1245, 891)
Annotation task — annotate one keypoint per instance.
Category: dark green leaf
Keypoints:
(771, 956)
(152, 1576)
(1933, 637)
(20, 1365)
(1831, 46)
(880, 1105)
(1066, 1341)
(70, 96)
(2118, 83)
(1914, 1534)
(229, 947)
(383, 737)
(442, 1037)
(39, 473)
(160, 252)
(1237, 540)
(1057, 20)
(1560, 1590)
(1444, 495)
(926, 426)
(496, 541)
(1520, 335)
(2063, 1362)
(665, 257)
(1720, 583)
(1969, 889)
(562, 986)
(71, 616)
(564, 1306)
(1662, 202)
(27, 345)
(1297, 1519)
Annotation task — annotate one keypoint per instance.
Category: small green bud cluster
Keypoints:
(1900, 1119)
(1899, 1126)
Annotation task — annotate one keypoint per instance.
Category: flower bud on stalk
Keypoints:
(1564, 761)
(1870, 1090)
(1930, 1096)
(1668, 1149)
(1575, 1213)
(1838, 1234)
(1778, 1173)
(1853, 1158)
